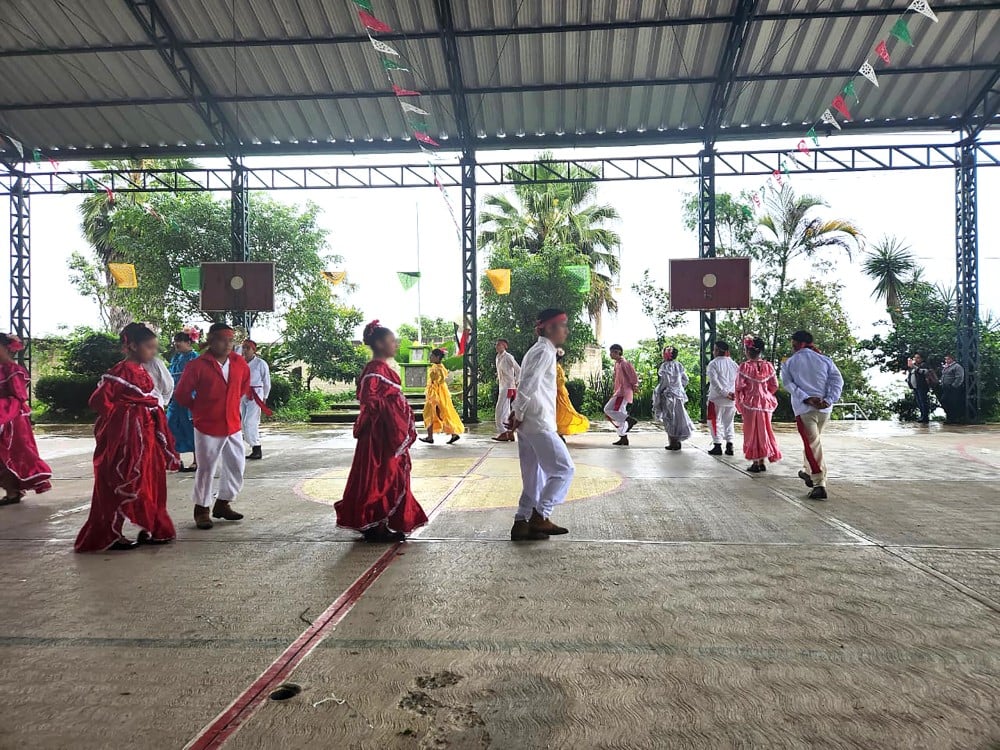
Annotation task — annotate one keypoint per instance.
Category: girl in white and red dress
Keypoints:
(21, 468)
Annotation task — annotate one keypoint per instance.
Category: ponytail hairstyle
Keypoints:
(722, 346)
(374, 332)
(754, 345)
(135, 333)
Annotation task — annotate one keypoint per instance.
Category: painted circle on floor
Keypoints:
(496, 483)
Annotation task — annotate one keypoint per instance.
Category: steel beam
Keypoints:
(985, 105)
(967, 273)
(729, 65)
(20, 264)
(456, 84)
(239, 215)
(155, 25)
(470, 293)
(706, 249)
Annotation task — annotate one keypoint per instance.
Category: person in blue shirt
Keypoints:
(814, 384)
(179, 419)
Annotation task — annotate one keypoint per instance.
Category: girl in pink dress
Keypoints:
(21, 468)
(756, 385)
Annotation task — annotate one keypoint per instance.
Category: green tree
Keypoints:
(735, 226)
(169, 230)
(890, 264)
(557, 216)
(655, 302)
(433, 329)
(319, 331)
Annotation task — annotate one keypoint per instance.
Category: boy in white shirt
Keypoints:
(546, 467)
(260, 382)
(722, 372)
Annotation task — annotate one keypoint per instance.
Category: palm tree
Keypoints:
(890, 264)
(790, 230)
(549, 216)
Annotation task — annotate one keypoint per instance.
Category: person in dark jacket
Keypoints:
(953, 389)
(917, 380)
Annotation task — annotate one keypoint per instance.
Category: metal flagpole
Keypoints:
(420, 329)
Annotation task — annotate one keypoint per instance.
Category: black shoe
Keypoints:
(146, 538)
(716, 450)
(454, 439)
(123, 544)
(623, 440)
(188, 469)
(12, 499)
(729, 449)
(806, 478)
(428, 440)
(755, 468)
(631, 421)
(818, 493)
(255, 454)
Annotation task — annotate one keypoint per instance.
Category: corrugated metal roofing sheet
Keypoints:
(288, 73)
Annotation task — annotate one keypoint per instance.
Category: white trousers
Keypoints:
(250, 413)
(723, 429)
(222, 453)
(546, 473)
(617, 411)
(503, 411)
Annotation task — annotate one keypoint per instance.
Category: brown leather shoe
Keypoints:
(222, 509)
(539, 523)
(521, 531)
(202, 519)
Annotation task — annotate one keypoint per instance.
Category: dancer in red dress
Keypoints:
(134, 450)
(377, 500)
(756, 384)
(21, 468)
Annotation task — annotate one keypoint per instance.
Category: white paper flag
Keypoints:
(829, 119)
(17, 144)
(413, 109)
(382, 47)
(869, 72)
(923, 8)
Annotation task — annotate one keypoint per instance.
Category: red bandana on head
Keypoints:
(540, 324)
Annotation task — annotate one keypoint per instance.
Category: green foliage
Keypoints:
(160, 232)
(319, 331)
(656, 306)
(735, 230)
(453, 364)
(648, 357)
(89, 352)
(890, 264)
(435, 330)
(405, 345)
(300, 406)
(66, 396)
(577, 390)
(281, 392)
(277, 356)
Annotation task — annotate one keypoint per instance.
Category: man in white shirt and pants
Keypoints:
(722, 372)
(814, 384)
(260, 382)
(546, 467)
(508, 372)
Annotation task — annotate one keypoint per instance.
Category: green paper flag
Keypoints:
(408, 279)
(36, 155)
(582, 274)
(902, 32)
(416, 124)
(390, 64)
(812, 134)
(191, 278)
(849, 90)
(366, 4)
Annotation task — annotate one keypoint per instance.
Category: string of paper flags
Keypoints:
(840, 105)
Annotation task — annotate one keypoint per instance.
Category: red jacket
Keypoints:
(214, 403)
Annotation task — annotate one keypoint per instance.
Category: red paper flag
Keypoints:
(370, 22)
(111, 195)
(776, 174)
(424, 138)
(882, 51)
(804, 147)
(399, 91)
(840, 104)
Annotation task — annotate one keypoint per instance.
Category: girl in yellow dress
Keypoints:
(568, 420)
(439, 411)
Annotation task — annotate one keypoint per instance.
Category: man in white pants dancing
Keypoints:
(626, 383)
(212, 387)
(508, 371)
(546, 468)
(814, 385)
(722, 372)
(260, 384)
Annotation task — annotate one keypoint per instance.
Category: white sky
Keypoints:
(374, 230)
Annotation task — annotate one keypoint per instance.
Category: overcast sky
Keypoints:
(375, 233)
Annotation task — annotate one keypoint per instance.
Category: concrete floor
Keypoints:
(692, 606)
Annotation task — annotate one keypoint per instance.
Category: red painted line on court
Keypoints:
(225, 725)
(963, 449)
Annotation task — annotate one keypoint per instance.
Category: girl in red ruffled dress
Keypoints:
(756, 384)
(21, 468)
(134, 450)
(377, 500)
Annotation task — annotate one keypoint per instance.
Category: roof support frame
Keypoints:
(984, 106)
(725, 77)
(154, 23)
(456, 84)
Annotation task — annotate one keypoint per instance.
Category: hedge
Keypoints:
(577, 390)
(281, 392)
(67, 394)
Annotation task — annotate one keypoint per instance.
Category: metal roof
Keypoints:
(190, 77)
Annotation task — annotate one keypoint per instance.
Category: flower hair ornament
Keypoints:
(13, 343)
(193, 332)
(748, 342)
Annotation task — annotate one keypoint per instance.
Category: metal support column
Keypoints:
(239, 212)
(20, 264)
(470, 293)
(706, 249)
(967, 272)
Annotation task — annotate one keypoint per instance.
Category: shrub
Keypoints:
(90, 352)
(300, 406)
(281, 392)
(601, 389)
(67, 395)
(453, 364)
(577, 390)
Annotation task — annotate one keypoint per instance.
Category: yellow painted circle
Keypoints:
(496, 483)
